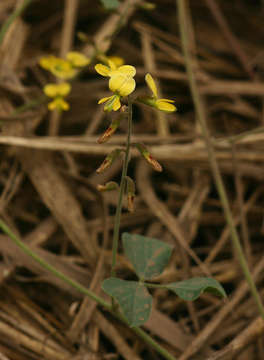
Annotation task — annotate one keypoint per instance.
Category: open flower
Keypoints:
(160, 104)
(77, 59)
(58, 92)
(60, 68)
(121, 83)
(121, 77)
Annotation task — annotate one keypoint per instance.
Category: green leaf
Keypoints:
(133, 298)
(191, 289)
(148, 256)
(110, 4)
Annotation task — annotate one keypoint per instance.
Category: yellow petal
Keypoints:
(165, 105)
(116, 104)
(47, 62)
(64, 89)
(167, 100)
(151, 84)
(101, 101)
(113, 103)
(51, 90)
(102, 69)
(64, 105)
(122, 85)
(58, 104)
(77, 59)
(63, 69)
(111, 64)
(118, 61)
(127, 70)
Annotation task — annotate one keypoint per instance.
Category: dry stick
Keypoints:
(212, 158)
(12, 18)
(186, 222)
(247, 336)
(70, 11)
(70, 14)
(83, 290)
(241, 205)
(162, 212)
(87, 308)
(226, 232)
(218, 319)
(230, 37)
(187, 213)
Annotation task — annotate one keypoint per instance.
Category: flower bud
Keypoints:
(146, 154)
(110, 131)
(111, 185)
(108, 161)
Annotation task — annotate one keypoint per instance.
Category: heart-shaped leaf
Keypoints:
(191, 289)
(133, 298)
(148, 256)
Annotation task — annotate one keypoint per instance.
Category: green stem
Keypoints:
(29, 105)
(141, 333)
(150, 341)
(12, 18)
(121, 191)
(52, 269)
(182, 13)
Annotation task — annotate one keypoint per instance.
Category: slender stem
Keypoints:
(52, 269)
(182, 13)
(149, 340)
(121, 191)
(29, 105)
(141, 333)
(12, 18)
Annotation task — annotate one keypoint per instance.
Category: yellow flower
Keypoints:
(121, 77)
(58, 92)
(47, 62)
(77, 59)
(116, 60)
(160, 104)
(112, 102)
(59, 104)
(61, 68)
(54, 90)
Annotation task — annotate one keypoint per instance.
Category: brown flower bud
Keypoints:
(108, 161)
(147, 156)
(110, 131)
(111, 185)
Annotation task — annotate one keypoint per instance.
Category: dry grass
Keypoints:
(48, 181)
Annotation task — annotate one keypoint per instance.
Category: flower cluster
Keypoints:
(121, 83)
(63, 69)
(58, 93)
